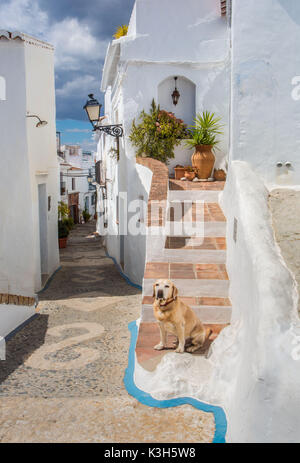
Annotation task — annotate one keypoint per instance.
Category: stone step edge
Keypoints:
(208, 307)
(217, 316)
(187, 300)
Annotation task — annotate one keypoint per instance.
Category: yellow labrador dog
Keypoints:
(175, 317)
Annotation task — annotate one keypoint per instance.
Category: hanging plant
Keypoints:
(157, 134)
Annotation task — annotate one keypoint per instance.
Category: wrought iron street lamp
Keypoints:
(93, 109)
(40, 123)
(175, 94)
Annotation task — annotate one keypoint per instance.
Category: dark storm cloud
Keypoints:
(80, 32)
(103, 16)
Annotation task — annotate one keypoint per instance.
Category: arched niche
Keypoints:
(2, 89)
(186, 106)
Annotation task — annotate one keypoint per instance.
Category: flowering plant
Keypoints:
(157, 134)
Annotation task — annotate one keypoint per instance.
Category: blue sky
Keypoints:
(80, 32)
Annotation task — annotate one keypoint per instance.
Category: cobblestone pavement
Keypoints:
(62, 380)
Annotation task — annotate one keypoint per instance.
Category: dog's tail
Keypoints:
(209, 334)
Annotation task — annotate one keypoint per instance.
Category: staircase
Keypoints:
(191, 252)
(195, 264)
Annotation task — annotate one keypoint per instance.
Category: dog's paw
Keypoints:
(159, 346)
(179, 350)
(192, 349)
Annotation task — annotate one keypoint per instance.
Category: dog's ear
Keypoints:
(154, 290)
(175, 292)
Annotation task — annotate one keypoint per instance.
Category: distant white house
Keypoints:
(189, 40)
(29, 175)
(76, 167)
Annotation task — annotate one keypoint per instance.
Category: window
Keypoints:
(98, 172)
(63, 188)
(2, 89)
(73, 184)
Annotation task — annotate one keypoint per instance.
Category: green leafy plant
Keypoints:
(63, 230)
(206, 129)
(63, 211)
(86, 216)
(121, 31)
(69, 222)
(157, 133)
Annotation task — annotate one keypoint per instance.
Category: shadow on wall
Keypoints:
(186, 106)
(21, 346)
(292, 8)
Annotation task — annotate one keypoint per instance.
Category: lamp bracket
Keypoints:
(113, 130)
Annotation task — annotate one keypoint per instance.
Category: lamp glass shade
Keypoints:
(93, 108)
(175, 96)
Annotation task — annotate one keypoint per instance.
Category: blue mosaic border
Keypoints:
(147, 399)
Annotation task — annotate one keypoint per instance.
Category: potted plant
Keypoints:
(204, 139)
(179, 171)
(189, 173)
(86, 215)
(63, 233)
(157, 134)
(220, 175)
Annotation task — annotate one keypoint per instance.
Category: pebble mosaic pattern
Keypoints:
(62, 380)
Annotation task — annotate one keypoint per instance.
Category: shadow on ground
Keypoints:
(22, 345)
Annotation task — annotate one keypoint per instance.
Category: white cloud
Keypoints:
(74, 44)
(81, 84)
(78, 52)
(23, 16)
(78, 130)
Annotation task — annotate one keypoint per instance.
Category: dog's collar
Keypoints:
(167, 302)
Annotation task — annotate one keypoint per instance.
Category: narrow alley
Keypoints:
(62, 380)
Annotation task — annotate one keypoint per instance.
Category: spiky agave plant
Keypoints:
(205, 130)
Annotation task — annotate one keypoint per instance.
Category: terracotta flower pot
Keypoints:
(203, 160)
(219, 175)
(179, 172)
(189, 175)
(62, 243)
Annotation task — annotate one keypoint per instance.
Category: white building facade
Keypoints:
(29, 175)
(240, 60)
(191, 42)
(76, 166)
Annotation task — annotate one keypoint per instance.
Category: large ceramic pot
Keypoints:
(203, 160)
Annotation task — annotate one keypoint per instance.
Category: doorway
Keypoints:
(43, 230)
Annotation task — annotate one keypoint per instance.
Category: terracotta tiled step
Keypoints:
(195, 219)
(195, 212)
(183, 242)
(190, 271)
(209, 196)
(191, 280)
(208, 309)
(149, 336)
(186, 185)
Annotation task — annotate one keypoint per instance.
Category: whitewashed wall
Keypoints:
(44, 168)
(259, 378)
(265, 60)
(17, 267)
(28, 159)
(141, 65)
